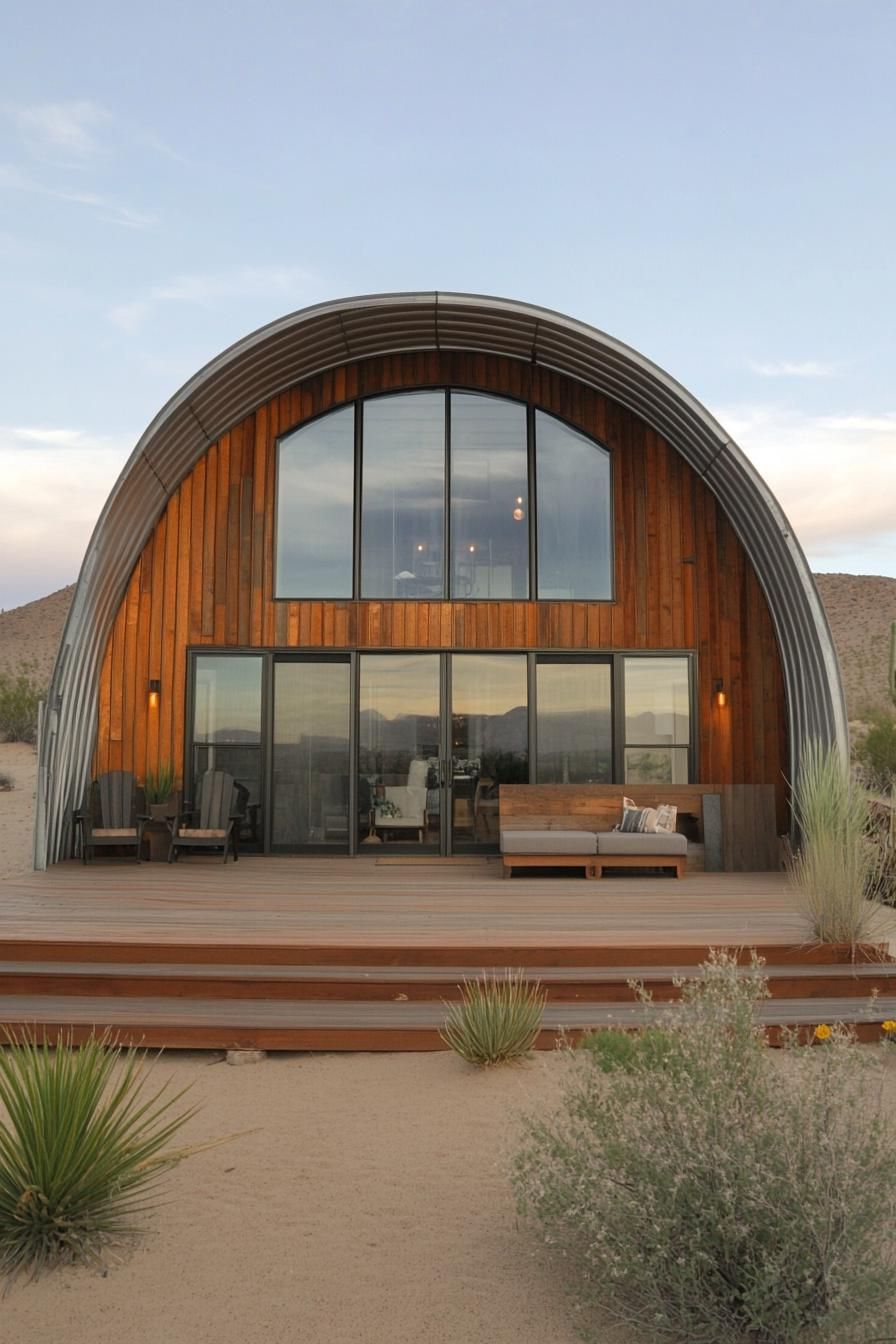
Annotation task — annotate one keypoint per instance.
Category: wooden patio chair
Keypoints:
(215, 821)
(113, 813)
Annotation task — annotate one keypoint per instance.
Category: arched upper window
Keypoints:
(443, 494)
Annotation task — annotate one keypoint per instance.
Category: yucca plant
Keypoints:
(836, 869)
(497, 1018)
(159, 783)
(82, 1145)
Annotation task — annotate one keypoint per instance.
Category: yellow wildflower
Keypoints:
(888, 1026)
(822, 1031)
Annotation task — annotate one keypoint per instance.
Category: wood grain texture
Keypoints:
(338, 953)
(683, 580)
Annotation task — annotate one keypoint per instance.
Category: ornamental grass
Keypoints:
(497, 1018)
(83, 1144)
(837, 870)
(725, 1193)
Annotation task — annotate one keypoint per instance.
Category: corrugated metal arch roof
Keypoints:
(315, 339)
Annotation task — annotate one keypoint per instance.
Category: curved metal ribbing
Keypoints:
(309, 342)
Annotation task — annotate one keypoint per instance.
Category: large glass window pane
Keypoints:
(489, 740)
(575, 722)
(403, 496)
(398, 749)
(315, 508)
(489, 498)
(310, 794)
(227, 724)
(657, 720)
(574, 513)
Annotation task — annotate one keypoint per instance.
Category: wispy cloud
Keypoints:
(11, 179)
(793, 368)
(208, 290)
(834, 475)
(55, 481)
(64, 128)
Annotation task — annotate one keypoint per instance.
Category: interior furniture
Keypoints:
(409, 804)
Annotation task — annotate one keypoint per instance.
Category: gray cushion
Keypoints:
(622, 842)
(548, 842)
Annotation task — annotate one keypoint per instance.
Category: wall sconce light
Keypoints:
(155, 689)
(719, 692)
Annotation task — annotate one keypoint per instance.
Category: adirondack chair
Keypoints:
(113, 813)
(214, 822)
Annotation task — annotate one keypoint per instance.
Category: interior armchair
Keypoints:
(403, 808)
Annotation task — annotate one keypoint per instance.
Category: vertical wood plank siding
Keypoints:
(682, 578)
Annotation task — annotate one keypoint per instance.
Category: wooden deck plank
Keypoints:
(338, 953)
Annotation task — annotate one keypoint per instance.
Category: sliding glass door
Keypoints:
(400, 750)
(310, 756)
(408, 751)
(489, 741)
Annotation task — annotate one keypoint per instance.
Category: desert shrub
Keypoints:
(741, 1195)
(877, 751)
(836, 869)
(496, 1019)
(81, 1149)
(20, 695)
(612, 1048)
(7, 783)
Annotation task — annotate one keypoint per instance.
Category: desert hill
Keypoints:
(31, 634)
(860, 608)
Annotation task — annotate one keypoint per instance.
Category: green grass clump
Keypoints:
(612, 1048)
(836, 868)
(82, 1146)
(496, 1019)
(738, 1195)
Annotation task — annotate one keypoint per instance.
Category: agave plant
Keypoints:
(82, 1146)
(497, 1018)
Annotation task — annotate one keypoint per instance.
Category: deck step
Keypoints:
(327, 1025)
(417, 983)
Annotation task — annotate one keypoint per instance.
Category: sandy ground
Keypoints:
(372, 1204)
(19, 762)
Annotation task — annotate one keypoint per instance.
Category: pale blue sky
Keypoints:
(711, 181)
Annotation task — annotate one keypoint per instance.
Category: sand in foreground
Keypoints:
(19, 762)
(371, 1205)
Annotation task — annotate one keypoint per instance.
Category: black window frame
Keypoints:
(447, 568)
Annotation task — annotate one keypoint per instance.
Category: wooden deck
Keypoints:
(338, 953)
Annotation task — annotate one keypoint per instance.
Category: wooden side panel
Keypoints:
(682, 580)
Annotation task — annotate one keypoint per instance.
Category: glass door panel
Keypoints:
(657, 720)
(399, 733)
(311, 765)
(489, 741)
(575, 722)
(227, 728)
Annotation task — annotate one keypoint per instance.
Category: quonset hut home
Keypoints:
(389, 553)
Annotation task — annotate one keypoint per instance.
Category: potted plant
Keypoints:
(162, 803)
(159, 790)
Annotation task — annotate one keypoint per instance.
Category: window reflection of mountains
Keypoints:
(559, 730)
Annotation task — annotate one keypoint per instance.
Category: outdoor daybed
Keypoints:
(556, 825)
